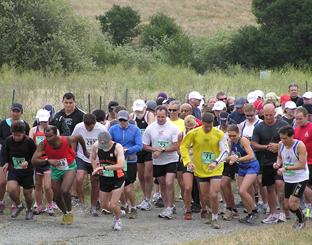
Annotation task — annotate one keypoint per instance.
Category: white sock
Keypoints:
(214, 216)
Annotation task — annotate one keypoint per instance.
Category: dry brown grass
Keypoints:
(197, 17)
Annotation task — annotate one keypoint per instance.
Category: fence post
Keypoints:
(306, 86)
(89, 103)
(100, 102)
(13, 96)
(126, 98)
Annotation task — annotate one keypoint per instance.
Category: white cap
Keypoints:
(290, 105)
(307, 95)
(219, 106)
(195, 95)
(259, 94)
(252, 97)
(138, 105)
(272, 96)
(43, 115)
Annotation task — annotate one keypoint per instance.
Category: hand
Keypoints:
(276, 165)
(54, 162)
(86, 153)
(232, 162)
(5, 167)
(280, 171)
(233, 159)
(98, 170)
(157, 149)
(190, 166)
(212, 166)
(156, 154)
(24, 165)
(272, 147)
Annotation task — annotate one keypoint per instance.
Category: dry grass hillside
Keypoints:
(197, 17)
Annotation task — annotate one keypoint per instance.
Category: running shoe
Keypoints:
(159, 203)
(252, 219)
(188, 215)
(141, 204)
(94, 212)
(117, 225)
(106, 212)
(228, 215)
(70, 218)
(196, 208)
(298, 225)
(244, 220)
(38, 210)
(133, 214)
(271, 219)
(215, 224)
(163, 213)
(29, 214)
(166, 213)
(155, 197)
(16, 211)
(146, 206)
(282, 218)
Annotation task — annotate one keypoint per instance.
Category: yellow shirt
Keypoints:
(205, 150)
(179, 123)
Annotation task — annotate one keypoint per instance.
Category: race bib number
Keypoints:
(162, 143)
(63, 164)
(107, 173)
(289, 172)
(208, 157)
(126, 166)
(39, 139)
(17, 162)
(142, 130)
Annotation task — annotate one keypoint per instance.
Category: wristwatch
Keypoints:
(163, 149)
(47, 161)
(286, 168)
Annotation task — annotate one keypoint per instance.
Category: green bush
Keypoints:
(120, 23)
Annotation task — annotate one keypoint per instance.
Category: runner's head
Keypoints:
(151, 106)
(111, 106)
(219, 107)
(287, 135)
(290, 108)
(189, 122)
(269, 114)
(99, 115)
(139, 108)
(50, 109)
(250, 112)
(307, 97)
(207, 119)
(302, 116)
(221, 96)
(239, 105)
(43, 117)
(50, 133)
(195, 98)
(123, 118)
(224, 119)
(211, 101)
(18, 130)
(230, 104)
(104, 140)
(161, 114)
(16, 111)
(186, 109)
(293, 90)
(174, 110)
(89, 121)
(69, 102)
(233, 132)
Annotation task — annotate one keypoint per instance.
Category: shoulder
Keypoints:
(59, 113)
(79, 112)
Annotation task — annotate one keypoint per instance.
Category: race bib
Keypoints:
(17, 162)
(107, 173)
(162, 143)
(289, 172)
(142, 130)
(126, 166)
(208, 157)
(64, 164)
(39, 139)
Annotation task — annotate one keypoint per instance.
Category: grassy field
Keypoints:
(34, 89)
(275, 234)
(197, 18)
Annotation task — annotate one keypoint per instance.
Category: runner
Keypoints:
(194, 99)
(185, 110)
(210, 150)
(89, 129)
(294, 95)
(242, 154)
(129, 136)
(238, 115)
(42, 173)
(292, 164)
(161, 138)
(145, 165)
(5, 131)
(110, 165)
(17, 151)
(290, 109)
(218, 107)
(111, 116)
(101, 117)
(61, 157)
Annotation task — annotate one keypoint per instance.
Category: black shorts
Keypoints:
(24, 179)
(230, 170)
(295, 189)
(131, 173)
(144, 156)
(207, 179)
(156, 182)
(162, 170)
(310, 174)
(43, 169)
(109, 184)
(82, 165)
(181, 167)
(269, 175)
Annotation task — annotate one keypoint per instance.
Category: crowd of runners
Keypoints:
(262, 141)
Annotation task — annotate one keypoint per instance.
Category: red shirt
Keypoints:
(64, 151)
(305, 135)
(199, 122)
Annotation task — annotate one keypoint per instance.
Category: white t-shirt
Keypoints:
(89, 137)
(162, 136)
(246, 128)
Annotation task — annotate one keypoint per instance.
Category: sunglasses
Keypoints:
(225, 98)
(249, 115)
(123, 120)
(172, 110)
(185, 110)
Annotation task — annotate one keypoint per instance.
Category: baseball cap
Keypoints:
(43, 115)
(162, 95)
(138, 105)
(219, 106)
(50, 109)
(240, 102)
(259, 94)
(195, 95)
(123, 115)
(17, 106)
(290, 105)
(167, 101)
(307, 95)
(151, 105)
(111, 105)
(160, 100)
(252, 97)
(258, 105)
(103, 140)
(272, 96)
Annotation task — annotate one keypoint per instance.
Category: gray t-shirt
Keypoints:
(162, 136)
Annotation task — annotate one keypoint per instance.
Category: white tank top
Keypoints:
(290, 157)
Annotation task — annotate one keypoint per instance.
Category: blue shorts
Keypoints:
(82, 165)
(252, 167)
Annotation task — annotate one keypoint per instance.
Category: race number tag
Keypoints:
(126, 166)
(64, 164)
(107, 173)
(17, 162)
(162, 143)
(142, 130)
(39, 139)
(208, 157)
(289, 172)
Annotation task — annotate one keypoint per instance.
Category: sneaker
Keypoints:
(124, 209)
(2, 207)
(159, 203)
(70, 218)
(38, 210)
(54, 206)
(146, 206)
(169, 213)
(29, 214)
(228, 215)
(106, 212)
(155, 197)
(203, 214)
(75, 201)
(133, 214)
(16, 211)
(64, 219)
(50, 210)
(174, 209)
(299, 226)
(196, 208)
(188, 215)
(281, 218)
(244, 220)
(94, 212)
(235, 215)
(252, 219)
(81, 208)
(117, 225)
(271, 219)
(208, 218)
(98, 206)
(215, 224)
(163, 213)
(139, 206)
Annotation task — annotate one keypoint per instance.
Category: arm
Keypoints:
(278, 162)
(175, 142)
(180, 138)
(255, 140)
(138, 143)
(94, 155)
(78, 139)
(32, 132)
(150, 118)
(120, 159)
(36, 159)
(224, 150)
(185, 147)
(250, 154)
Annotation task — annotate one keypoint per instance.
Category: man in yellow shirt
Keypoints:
(210, 149)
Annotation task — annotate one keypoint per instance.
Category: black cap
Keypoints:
(167, 101)
(111, 105)
(17, 106)
(224, 117)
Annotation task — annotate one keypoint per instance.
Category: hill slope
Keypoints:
(197, 17)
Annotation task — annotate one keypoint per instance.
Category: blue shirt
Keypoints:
(130, 138)
(237, 117)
